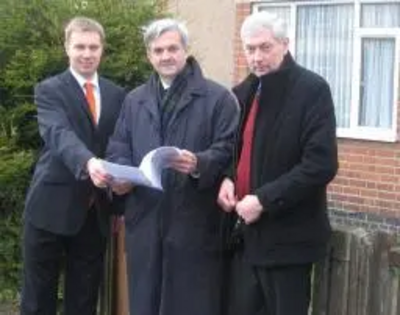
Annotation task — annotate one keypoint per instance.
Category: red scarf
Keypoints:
(244, 166)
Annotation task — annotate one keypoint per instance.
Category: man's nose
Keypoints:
(87, 52)
(165, 55)
(258, 55)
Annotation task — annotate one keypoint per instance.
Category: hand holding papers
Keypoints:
(186, 163)
(149, 171)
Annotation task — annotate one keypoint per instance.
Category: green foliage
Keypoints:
(31, 41)
(31, 37)
(18, 128)
(14, 176)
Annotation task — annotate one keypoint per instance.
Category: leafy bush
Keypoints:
(31, 41)
(15, 169)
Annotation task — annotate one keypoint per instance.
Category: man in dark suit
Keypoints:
(66, 215)
(286, 156)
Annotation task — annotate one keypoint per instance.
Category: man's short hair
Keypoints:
(83, 24)
(156, 28)
(263, 20)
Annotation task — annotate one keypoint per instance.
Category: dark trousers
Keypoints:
(45, 254)
(259, 290)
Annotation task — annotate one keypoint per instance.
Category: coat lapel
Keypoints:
(151, 104)
(149, 98)
(246, 90)
(148, 101)
(196, 87)
(106, 103)
(77, 94)
(275, 93)
(186, 100)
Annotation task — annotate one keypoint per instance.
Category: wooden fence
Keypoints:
(360, 276)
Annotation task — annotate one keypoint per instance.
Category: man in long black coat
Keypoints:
(286, 154)
(174, 238)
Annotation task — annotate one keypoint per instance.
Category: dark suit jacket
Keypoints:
(60, 191)
(294, 157)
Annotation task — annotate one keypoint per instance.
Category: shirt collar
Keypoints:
(81, 80)
(166, 85)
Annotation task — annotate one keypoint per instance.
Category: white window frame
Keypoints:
(354, 131)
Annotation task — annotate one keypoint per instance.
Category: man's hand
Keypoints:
(121, 188)
(226, 197)
(249, 209)
(97, 173)
(185, 163)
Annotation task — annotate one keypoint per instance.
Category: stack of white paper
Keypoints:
(149, 171)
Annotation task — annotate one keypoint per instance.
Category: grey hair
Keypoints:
(263, 20)
(83, 24)
(156, 28)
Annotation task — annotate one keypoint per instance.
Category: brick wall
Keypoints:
(368, 179)
(368, 182)
(240, 68)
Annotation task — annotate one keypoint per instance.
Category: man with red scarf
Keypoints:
(286, 154)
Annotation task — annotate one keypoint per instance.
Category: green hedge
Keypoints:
(15, 169)
(31, 41)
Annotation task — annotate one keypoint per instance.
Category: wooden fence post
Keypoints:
(359, 280)
(394, 265)
(340, 265)
(121, 301)
(321, 285)
(380, 275)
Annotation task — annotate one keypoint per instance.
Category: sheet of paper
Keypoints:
(156, 161)
(150, 170)
(125, 173)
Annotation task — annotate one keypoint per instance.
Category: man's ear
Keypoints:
(285, 42)
(66, 47)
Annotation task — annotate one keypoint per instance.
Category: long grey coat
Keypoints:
(174, 238)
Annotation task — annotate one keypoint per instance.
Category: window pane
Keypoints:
(281, 11)
(376, 90)
(324, 44)
(380, 15)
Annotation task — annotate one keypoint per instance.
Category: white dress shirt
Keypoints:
(96, 89)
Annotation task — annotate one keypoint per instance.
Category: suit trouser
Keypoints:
(45, 254)
(260, 290)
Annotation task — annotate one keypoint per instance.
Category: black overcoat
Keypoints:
(294, 157)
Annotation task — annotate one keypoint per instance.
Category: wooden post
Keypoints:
(321, 286)
(339, 284)
(379, 293)
(394, 263)
(359, 280)
(106, 288)
(121, 300)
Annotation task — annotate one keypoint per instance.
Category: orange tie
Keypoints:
(91, 100)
